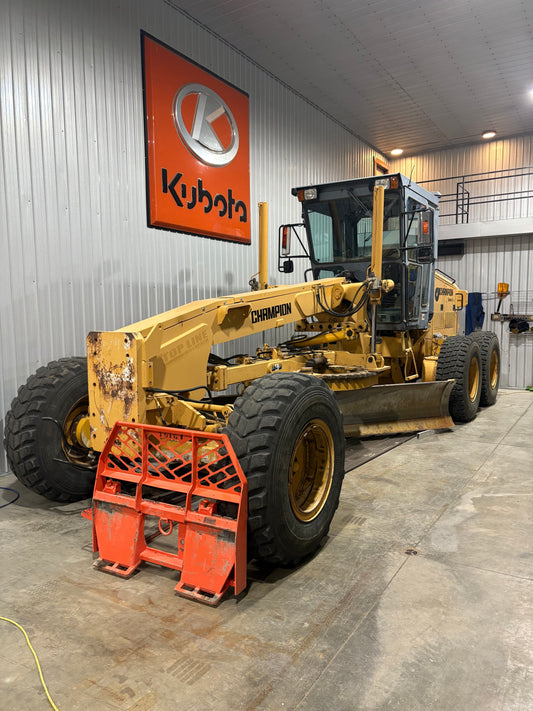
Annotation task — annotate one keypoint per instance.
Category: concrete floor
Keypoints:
(366, 624)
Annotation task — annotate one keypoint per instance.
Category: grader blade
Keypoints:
(392, 409)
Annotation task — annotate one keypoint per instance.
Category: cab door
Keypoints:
(419, 239)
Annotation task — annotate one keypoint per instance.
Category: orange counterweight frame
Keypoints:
(178, 476)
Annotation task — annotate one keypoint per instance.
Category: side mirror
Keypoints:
(288, 266)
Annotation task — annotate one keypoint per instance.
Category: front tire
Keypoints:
(460, 358)
(286, 430)
(490, 365)
(40, 432)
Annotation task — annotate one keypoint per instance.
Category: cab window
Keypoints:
(341, 230)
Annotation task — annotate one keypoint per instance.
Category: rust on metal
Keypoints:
(113, 373)
(115, 379)
(391, 409)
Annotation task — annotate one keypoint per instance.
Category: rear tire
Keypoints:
(460, 358)
(286, 430)
(490, 365)
(39, 456)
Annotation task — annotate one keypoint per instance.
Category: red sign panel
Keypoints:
(198, 158)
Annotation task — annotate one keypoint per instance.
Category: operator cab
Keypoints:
(337, 218)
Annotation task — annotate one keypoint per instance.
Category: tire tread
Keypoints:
(252, 429)
(487, 340)
(451, 364)
(21, 424)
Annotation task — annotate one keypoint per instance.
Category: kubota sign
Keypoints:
(198, 175)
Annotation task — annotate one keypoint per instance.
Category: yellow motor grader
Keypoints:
(375, 350)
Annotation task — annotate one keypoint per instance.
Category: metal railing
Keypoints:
(467, 195)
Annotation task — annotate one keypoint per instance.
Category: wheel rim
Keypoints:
(311, 470)
(75, 447)
(494, 369)
(473, 379)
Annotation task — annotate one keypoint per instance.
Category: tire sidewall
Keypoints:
(488, 343)
(454, 361)
(463, 393)
(34, 431)
(48, 438)
(489, 393)
(263, 429)
(300, 537)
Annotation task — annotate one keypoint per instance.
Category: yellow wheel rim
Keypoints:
(494, 369)
(473, 379)
(311, 470)
(76, 431)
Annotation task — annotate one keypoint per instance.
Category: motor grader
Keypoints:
(375, 350)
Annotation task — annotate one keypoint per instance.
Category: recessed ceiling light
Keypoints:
(489, 134)
(396, 152)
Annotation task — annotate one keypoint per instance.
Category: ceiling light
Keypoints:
(489, 134)
(396, 152)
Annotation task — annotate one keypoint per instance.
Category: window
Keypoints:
(341, 230)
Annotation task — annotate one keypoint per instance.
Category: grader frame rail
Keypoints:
(375, 351)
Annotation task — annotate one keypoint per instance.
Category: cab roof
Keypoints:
(352, 183)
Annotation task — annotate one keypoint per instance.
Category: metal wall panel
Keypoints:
(496, 155)
(76, 252)
(487, 262)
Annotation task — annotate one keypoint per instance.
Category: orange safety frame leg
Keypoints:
(119, 535)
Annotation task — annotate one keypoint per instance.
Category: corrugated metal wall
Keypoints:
(495, 259)
(76, 252)
(503, 156)
(485, 263)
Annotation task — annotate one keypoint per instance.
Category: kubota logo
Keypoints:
(203, 140)
(197, 146)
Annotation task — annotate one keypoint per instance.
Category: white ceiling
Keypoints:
(415, 74)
